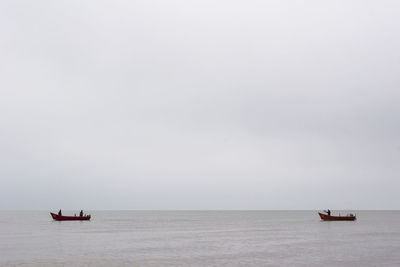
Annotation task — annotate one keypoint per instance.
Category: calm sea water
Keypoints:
(199, 238)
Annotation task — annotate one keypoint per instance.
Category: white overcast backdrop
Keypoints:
(199, 104)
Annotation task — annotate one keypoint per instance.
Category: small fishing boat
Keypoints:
(348, 217)
(69, 218)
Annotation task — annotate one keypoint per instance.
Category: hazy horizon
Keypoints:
(187, 210)
(199, 105)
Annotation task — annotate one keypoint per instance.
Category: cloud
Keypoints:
(199, 105)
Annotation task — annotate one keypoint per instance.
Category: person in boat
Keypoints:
(59, 213)
(81, 213)
(328, 212)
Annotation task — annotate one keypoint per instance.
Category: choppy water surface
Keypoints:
(199, 238)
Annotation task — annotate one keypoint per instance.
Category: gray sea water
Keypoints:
(199, 238)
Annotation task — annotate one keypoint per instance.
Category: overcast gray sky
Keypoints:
(199, 104)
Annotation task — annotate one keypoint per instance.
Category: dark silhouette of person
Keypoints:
(59, 213)
(329, 212)
(81, 213)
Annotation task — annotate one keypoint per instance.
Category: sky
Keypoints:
(186, 105)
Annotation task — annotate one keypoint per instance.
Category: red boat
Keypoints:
(69, 218)
(325, 217)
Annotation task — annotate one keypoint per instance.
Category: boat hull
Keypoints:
(57, 217)
(326, 217)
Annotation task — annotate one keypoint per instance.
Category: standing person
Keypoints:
(81, 213)
(59, 213)
(329, 212)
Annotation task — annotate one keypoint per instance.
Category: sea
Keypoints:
(199, 238)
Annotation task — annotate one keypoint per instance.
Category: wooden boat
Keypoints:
(69, 218)
(326, 217)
